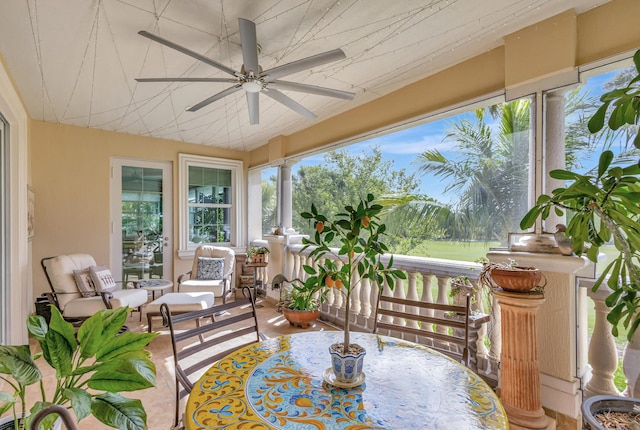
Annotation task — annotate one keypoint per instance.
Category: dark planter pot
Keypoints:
(593, 405)
(301, 319)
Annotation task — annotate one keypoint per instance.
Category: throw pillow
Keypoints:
(84, 282)
(102, 279)
(210, 268)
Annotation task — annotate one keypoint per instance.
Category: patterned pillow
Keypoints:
(102, 279)
(84, 282)
(210, 268)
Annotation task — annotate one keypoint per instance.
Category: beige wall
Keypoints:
(70, 172)
(545, 48)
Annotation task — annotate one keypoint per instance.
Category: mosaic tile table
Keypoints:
(278, 384)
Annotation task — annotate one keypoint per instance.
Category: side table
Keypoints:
(153, 285)
(256, 283)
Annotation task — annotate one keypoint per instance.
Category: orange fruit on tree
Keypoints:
(329, 282)
(338, 283)
(365, 221)
(319, 226)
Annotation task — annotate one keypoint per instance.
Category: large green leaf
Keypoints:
(530, 218)
(597, 120)
(128, 372)
(61, 354)
(6, 401)
(605, 161)
(125, 343)
(119, 412)
(90, 337)
(80, 401)
(64, 328)
(17, 361)
(37, 327)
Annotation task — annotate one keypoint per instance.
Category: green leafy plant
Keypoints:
(605, 207)
(626, 106)
(303, 295)
(253, 250)
(358, 230)
(98, 358)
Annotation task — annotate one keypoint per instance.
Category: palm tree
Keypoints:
(489, 172)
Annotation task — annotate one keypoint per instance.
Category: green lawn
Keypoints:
(447, 250)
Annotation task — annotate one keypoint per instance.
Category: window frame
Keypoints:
(237, 228)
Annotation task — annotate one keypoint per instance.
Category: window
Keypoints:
(269, 199)
(464, 176)
(211, 198)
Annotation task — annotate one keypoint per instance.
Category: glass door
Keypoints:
(141, 213)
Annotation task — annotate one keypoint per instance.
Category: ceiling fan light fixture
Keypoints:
(252, 86)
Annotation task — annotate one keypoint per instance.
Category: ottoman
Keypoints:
(179, 303)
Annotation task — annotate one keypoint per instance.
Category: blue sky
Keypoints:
(402, 147)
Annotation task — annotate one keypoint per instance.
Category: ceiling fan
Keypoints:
(252, 79)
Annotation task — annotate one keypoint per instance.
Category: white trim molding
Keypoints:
(16, 279)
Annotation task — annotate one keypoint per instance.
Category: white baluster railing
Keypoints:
(603, 356)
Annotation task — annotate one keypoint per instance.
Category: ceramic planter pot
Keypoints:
(593, 405)
(521, 280)
(347, 368)
(299, 318)
(260, 258)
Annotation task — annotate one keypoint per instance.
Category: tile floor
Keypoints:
(158, 401)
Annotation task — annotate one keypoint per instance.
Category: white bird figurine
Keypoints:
(563, 242)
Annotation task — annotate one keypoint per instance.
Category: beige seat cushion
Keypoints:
(182, 302)
(85, 306)
(205, 285)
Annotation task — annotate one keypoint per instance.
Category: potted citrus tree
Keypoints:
(358, 233)
(93, 366)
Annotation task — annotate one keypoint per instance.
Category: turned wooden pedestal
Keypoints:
(520, 370)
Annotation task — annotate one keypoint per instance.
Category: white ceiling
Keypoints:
(75, 61)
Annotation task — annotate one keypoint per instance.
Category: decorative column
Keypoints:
(285, 205)
(520, 369)
(562, 363)
(554, 149)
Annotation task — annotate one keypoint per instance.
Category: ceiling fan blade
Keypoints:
(188, 52)
(253, 104)
(303, 64)
(226, 80)
(215, 97)
(312, 89)
(249, 44)
(289, 102)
